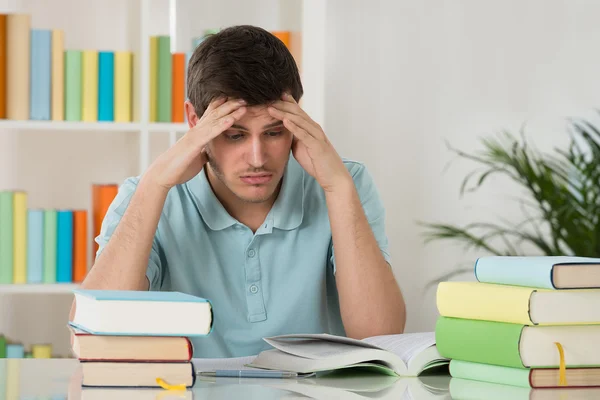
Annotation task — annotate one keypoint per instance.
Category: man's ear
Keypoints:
(190, 112)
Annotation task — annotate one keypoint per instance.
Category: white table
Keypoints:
(61, 379)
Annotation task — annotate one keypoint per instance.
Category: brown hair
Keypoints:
(244, 62)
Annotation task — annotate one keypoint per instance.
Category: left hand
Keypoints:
(311, 148)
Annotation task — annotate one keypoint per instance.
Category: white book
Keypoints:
(408, 354)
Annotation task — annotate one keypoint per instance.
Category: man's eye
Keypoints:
(273, 133)
(235, 136)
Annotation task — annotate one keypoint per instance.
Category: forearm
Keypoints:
(370, 300)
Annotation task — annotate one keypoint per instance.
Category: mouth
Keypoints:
(259, 179)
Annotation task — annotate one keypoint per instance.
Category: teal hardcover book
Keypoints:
(141, 313)
(548, 272)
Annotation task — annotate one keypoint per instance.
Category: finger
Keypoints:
(226, 108)
(222, 124)
(294, 108)
(298, 121)
(288, 98)
(215, 103)
(301, 134)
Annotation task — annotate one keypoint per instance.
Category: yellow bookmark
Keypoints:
(562, 374)
(167, 386)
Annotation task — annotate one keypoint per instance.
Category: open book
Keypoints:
(408, 354)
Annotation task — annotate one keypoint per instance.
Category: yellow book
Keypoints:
(135, 87)
(13, 379)
(18, 36)
(58, 75)
(20, 237)
(123, 88)
(89, 87)
(153, 78)
(41, 350)
(518, 304)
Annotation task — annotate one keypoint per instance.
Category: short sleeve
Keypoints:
(110, 222)
(372, 207)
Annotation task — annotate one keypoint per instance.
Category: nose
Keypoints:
(257, 156)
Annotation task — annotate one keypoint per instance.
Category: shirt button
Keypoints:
(251, 253)
(253, 289)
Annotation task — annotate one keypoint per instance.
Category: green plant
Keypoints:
(561, 201)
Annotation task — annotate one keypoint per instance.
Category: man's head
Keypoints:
(248, 63)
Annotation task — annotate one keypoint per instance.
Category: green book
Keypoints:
(165, 68)
(2, 347)
(516, 345)
(73, 82)
(50, 243)
(6, 236)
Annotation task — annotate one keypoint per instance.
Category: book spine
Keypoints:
(35, 246)
(106, 83)
(15, 350)
(2, 349)
(2, 66)
(123, 86)
(178, 87)
(89, 86)
(41, 350)
(102, 197)
(64, 246)
(6, 237)
(50, 246)
(73, 80)
(58, 75)
(80, 254)
(484, 301)
(40, 79)
(490, 373)
(17, 66)
(165, 70)
(484, 342)
(153, 84)
(20, 237)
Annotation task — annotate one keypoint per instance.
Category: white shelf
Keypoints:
(42, 288)
(92, 126)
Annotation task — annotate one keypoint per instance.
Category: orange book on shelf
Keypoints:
(284, 36)
(79, 245)
(2, 66)
(178, 87)
(102, 197)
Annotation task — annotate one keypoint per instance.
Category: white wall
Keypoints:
(404, 76)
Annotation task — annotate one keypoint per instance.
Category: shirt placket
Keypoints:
(254, 289)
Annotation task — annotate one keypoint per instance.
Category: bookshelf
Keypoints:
(110, 151)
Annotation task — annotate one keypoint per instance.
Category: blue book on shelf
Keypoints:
(141, 313)
(15, 350)
(547, 272)
(40, 78)
(35, 246)
(106, 77)
(64, 246)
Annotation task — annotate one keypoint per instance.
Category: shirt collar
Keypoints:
(287, 211)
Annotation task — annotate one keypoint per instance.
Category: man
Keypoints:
(278, 244)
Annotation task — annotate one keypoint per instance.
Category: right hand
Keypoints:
(187, 157)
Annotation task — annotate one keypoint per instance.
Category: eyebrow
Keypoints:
(268, 126)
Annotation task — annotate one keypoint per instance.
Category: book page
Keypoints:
(211, 364)
(315, 349)
(406, 345)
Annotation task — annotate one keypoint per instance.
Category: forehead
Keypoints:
(256, 117)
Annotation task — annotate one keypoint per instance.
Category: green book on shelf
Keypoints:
(6, 236)
(165, 67)
(73, 82)
(50, 243)
(2, 347)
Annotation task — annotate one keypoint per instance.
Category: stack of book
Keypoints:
(138, 339)
(532, 322)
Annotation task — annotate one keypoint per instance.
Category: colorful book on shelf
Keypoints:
(41, 74)
(106, 70)
(2, 346)
(19, 237)
(6, 237)
(518, 304)
(15, 350)
(517, 345)
(18, 36)
(35, 246)
(73, 85)
(106, 312)
(2, 66)
(58, 75)
(102, 196)
(140, 374)
(41, 350)
(89, 86)
(123, 86)
(165, 71)
(178, 87)
(80, 242)
(50, 243)
(528, 378)
(89, 347)
(64, 246)
(153, 84)
(557, 272)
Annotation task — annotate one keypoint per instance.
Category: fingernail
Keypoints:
(242, 101)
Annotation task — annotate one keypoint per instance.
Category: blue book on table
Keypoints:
(64, 246)
(35, 246)
(40, 78)
(106, 76)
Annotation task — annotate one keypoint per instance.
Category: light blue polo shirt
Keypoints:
(278, 280)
